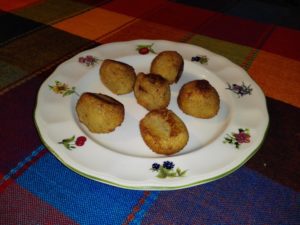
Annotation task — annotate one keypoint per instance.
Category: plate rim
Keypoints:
(154, 188)
(150, 187)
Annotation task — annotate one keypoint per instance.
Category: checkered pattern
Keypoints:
(260, 36)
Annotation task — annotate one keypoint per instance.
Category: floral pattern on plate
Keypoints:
(240, 90)
(145, 49)
(167, 170)
(72, 142)
(203, 59)
(62, 88)
(88, 60)
(236, 139)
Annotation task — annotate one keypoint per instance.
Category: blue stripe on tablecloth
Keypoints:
(243, 197)
(284, 13)
(83, 200)
(144, 208)
(21, 164)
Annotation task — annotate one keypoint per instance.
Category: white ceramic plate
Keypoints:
(121, 158)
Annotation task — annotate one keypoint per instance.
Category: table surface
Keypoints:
(36, 36)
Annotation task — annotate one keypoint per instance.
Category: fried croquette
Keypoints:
(199, 99)
(118, 77)
(99, 113)
(164, 132)
(168, 64)
(152, 91)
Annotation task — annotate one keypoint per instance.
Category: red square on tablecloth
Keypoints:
(285, 42)
(154, 31)
(18, 205)
(237, 30)
(7, 5)
(181, 16)
(134, 8)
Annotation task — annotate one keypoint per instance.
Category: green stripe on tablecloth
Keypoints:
(11, 73)
(235, 52)
(13, 26)
(52, 11)
(37, 50)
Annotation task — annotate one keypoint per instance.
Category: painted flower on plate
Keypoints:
(240, 90)
(200, 58)
(236, 139)
(145, 49)
(88, 60)
(62, 88)
(167, 170)
(72, 142)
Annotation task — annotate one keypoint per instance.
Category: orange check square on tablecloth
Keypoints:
(94, 23)
(278, 76)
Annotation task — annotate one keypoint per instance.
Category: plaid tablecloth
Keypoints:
(36, 36)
